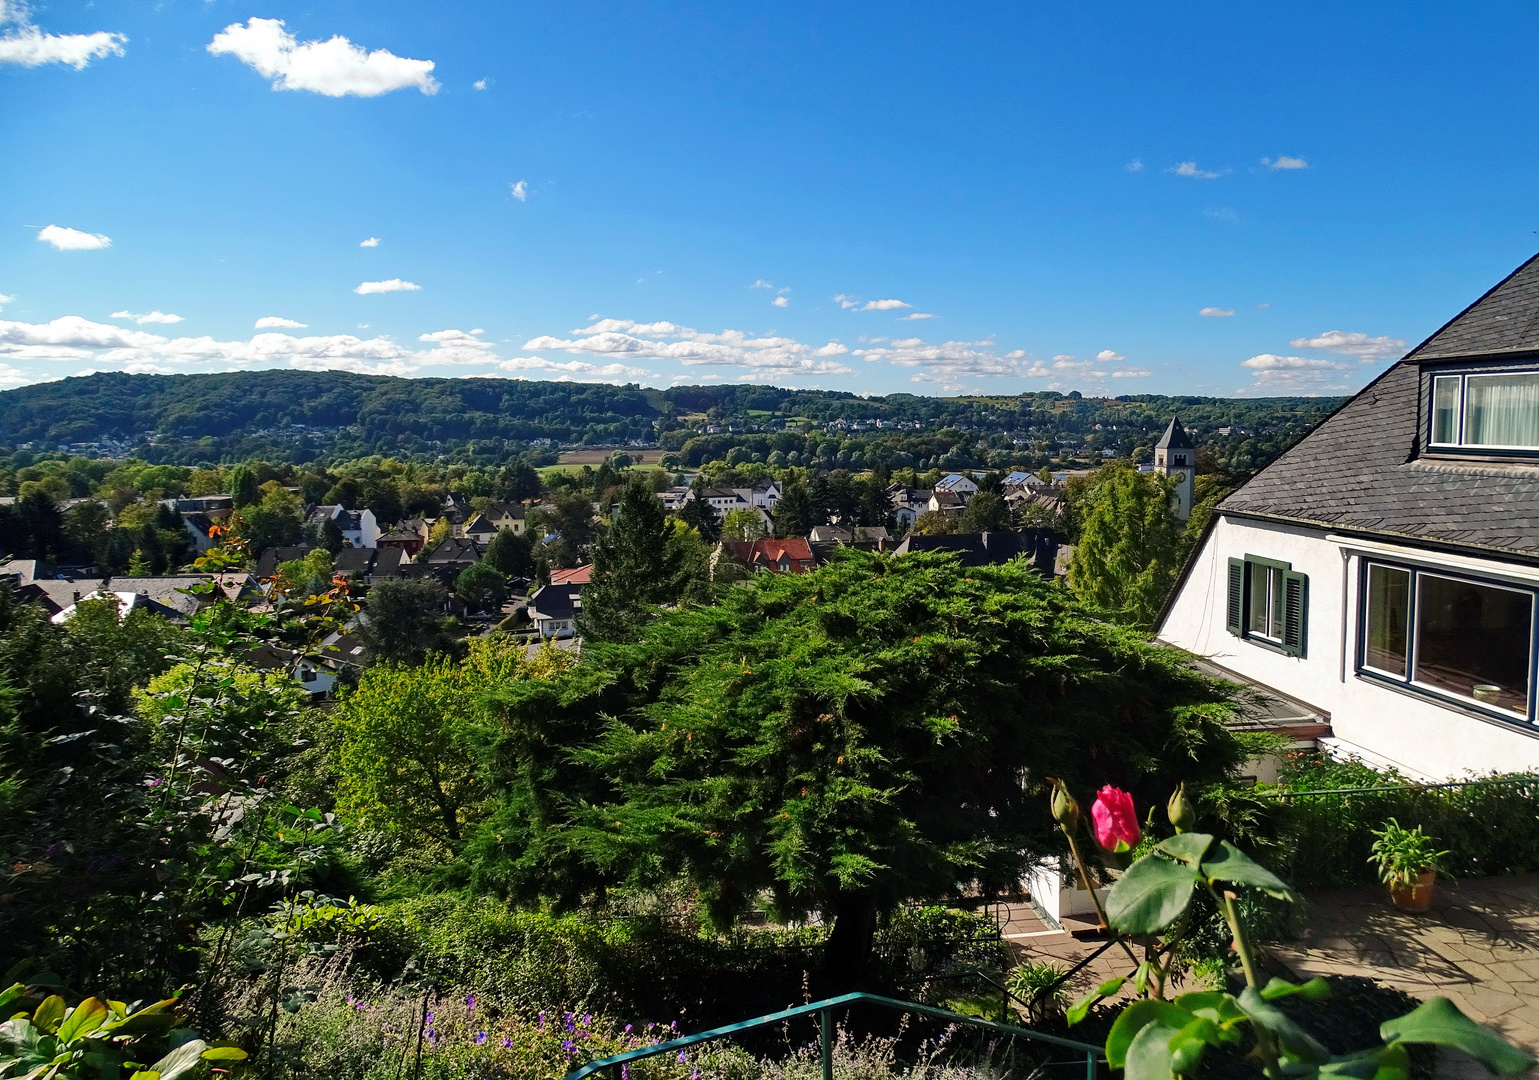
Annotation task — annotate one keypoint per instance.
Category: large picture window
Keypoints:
(1450, 635)
(1499, 411)
(1269, 603)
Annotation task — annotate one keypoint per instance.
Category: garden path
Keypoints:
(1478, 946)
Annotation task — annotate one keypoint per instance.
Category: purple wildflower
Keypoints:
(480, 1037)
(625, 1072)
(587, 1019)
(627, 1029)
(470, 1003)
(569, 1046)
(351, 999)
(568, 1023)
(429, 1018)
(155, 781)
(683, 1057)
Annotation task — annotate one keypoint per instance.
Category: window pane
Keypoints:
(1389, 594)
(1502, 410)
(1445, 409)
(1473, 640)
(1260, 600)
(1276, 585)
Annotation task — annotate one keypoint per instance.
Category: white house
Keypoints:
(1384, 572)
(958, 483)
(358, 526)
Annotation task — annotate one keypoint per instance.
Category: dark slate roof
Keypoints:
(1175, 437)
(1503, 321)
(983, 549)
(1357, 471)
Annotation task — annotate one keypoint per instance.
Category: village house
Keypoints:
(792, 556)
(358, 526)
(1383, 574)
(553, 608)
(908, 503)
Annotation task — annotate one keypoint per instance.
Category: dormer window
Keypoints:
(1499, 411)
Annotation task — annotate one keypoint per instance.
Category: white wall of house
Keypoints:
(1384, 726)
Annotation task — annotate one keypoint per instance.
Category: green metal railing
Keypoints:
(825, 1012)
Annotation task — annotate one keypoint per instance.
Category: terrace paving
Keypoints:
(1478, 946)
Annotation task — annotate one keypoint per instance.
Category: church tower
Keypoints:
(1174, 455)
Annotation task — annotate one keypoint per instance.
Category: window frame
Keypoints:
(1298, 649)
(1460, 447)
(1408, 682)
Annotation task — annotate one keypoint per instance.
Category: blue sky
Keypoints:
(689, 192)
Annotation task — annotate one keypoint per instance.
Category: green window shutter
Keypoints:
(1295, 627)
(1236, 608)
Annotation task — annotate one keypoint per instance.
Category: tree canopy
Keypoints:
(1129, 545)
(843, 740)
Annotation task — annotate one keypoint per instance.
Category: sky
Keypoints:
(1219, 199)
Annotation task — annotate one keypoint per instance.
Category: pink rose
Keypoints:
(1116, 822)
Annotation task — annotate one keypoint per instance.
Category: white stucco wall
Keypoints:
(1420, 736)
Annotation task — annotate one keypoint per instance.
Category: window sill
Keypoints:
(1475, 455)
(1452, 704)
(1269, 646)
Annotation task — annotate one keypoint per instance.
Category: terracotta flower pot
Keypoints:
(1415, 898)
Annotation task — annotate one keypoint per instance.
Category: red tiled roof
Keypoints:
(578, 575)
(793, 549)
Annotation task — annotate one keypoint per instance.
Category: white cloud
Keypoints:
(104, 347)
(6, 299)
(1285, 162)
(276, 322)
(1189, 169)
(1351, 343)
(334, 68)
(372, 241)
(846, 302)
(10, 376)
(768, 357)
(1216, 312)
(884, 305)
(1132, 373)
(395, 284)
(915, 315)
(479, 84)
(520, 191)
(579, 370)
(28, 46)
(761, 284)
(1295, 374)
(780, 301)
(1106, 356)
(148, 317)
(73, 239)
(1136, 165)
(1262, 307)
(950, 364)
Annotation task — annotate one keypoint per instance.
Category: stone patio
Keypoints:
(1479, 947)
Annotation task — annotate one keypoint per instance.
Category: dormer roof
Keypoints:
(1505, 320)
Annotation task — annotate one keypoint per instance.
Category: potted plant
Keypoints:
(1407, 864)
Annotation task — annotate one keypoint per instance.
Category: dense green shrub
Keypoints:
(1324, 841)
(1491, 827)
(649, 965)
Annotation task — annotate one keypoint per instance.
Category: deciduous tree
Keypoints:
(1126, 558)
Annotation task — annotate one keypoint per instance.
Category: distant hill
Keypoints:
(283, 413)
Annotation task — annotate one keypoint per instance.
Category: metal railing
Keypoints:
(825, 1012)
(1520, 780)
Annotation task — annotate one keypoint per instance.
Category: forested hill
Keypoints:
(283, 414)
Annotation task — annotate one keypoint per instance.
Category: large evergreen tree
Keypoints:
(880, 730)
(1129, 544)
(405, 622)
(636, 566)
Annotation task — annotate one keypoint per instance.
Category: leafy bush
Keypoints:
(1326, 841)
